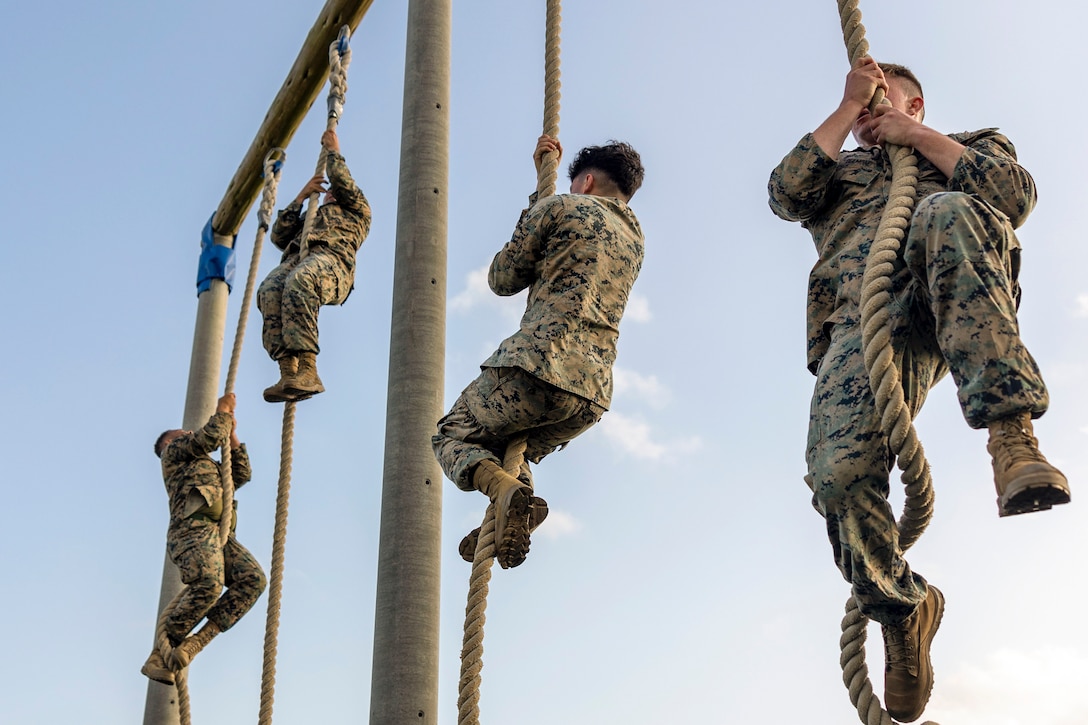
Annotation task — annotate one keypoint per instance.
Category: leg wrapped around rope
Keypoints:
(155, 669)
(514, 505)
(184, 653)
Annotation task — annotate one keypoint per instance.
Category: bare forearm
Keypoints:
(942, 151)
(832, 133)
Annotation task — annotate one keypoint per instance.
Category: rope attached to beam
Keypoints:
(339, 59)
(273, 165)
(885, 380)
(472, 646)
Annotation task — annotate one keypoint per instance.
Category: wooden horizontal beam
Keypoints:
(304, 82)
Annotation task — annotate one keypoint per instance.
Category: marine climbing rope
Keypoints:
(885, 381)
(273, 165)
(339, 59)
(472, 646)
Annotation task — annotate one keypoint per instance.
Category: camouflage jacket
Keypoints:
(579, 256)
(840, 203)
(341, 226)
(191, 476)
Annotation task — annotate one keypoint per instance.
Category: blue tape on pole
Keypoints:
(216, 260)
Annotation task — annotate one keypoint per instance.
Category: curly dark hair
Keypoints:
(616, 160)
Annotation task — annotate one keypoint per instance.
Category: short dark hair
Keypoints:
(616, 160)
(159, 442)
(894, 70)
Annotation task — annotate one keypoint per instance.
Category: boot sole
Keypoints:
(923, 647)
(467, 547)
(298, 394)
(512, 523)
(1037, 493)
(275, 396)
(165, 677)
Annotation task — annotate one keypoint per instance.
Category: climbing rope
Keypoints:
(339, 58)
(273, 164)
(885, 380)
(472, 645)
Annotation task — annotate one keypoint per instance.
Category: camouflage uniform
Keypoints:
(291, 297)
(579, 256)
(954, 309)
(196, 505)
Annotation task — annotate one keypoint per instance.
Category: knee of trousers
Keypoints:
(954, 225)
(840, 482)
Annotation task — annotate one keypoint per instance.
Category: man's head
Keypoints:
(166, 438)
(904, 94)
(614, 169)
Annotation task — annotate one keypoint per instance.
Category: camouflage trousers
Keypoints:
(954, 309)
(291, 296)
(206, 567)
(499, 405)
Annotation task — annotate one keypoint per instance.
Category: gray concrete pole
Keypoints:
(404, 680)
(161, 705)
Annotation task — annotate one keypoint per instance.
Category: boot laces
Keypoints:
(899, 646)
(1012, 444)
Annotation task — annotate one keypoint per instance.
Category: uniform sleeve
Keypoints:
(287, 226)
(212, 436)
(515, 267)
(798, 186)
(988, 170)
(240, 470)
(348, 196)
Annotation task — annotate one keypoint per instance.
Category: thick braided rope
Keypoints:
(885, 381)
(549, 170)
(162, 644)
(275, 581)
(339, 60)
(472, 644)
(273, 164)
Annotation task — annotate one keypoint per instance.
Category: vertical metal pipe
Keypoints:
(161, 705)
(404, 681)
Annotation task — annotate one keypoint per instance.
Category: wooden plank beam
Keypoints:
(304, 82)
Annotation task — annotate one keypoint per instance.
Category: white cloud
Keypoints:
(476, 291)
(646, 387)
(1009, 687)
(638, 308)
(636, 438)
(1082, 306)
(558, 524)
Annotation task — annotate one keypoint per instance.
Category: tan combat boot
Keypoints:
(537, 513)
(305, 383)
(155, 668)
(908, 671)
(1025, 481)
(513, 508)
(184, 653)
(288, 367)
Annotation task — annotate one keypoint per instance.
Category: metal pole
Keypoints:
(161, 705)
(304, 81)
(404, 679)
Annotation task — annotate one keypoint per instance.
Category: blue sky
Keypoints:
(682, 576)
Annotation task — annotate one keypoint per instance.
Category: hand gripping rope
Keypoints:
(472, 647)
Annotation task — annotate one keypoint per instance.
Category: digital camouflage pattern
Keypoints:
(579, 256)
(195, 492)
(955, 295)
(291, 296)
(499, 405)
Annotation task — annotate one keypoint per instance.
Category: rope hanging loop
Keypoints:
(885, 379)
